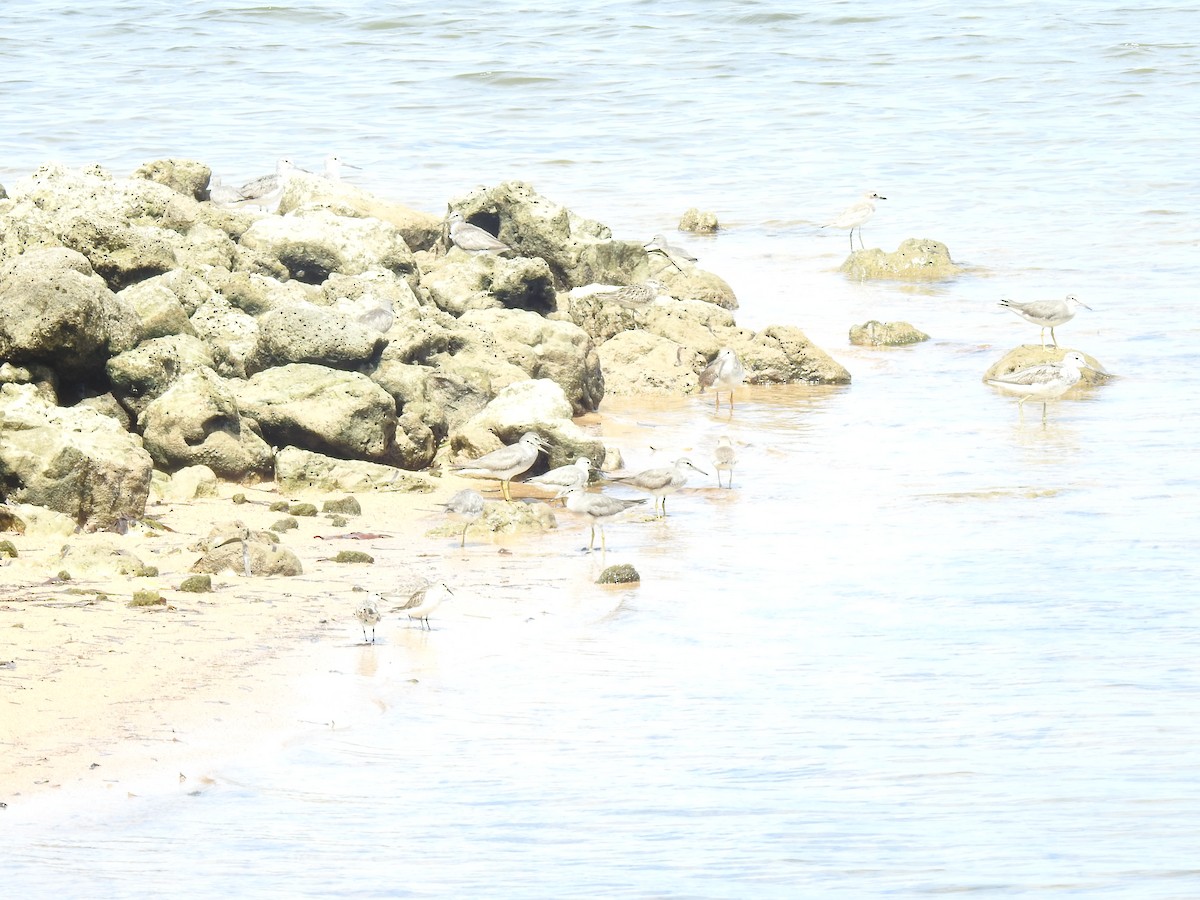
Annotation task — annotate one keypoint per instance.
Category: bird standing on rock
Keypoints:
(1046, 381)
(472, 238)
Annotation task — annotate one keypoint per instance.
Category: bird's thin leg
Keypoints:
(1043, 412)
(1053, 338)
(463, 542)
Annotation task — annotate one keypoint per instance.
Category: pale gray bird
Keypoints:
(855, 216)
(660, 482)
(467, 507)
(597, 507)
(367, 613)
(634, 296)
(576, 474)
(221, 194)
(1047, 313)
(723, 374)
(724, 459)
(472, 238)
(334, 165)
(1045, 381)
(506, 462)
(677, 255)
(267, 191)
(424, 600)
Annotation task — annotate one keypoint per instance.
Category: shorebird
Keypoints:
(724, 459)
(676, 255)
(1046, 381)
(472, 238)
(267, 191)
(723, 374)
(425, 600)
(634, 296)
(1047, 313)
(467, 507)
(333, 167)
(855, 215)
(506, 462)
(221, 194)
(576, 474)
(660, 482)
(368, 614)
(597, 507)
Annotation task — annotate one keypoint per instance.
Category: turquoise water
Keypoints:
(925, 645)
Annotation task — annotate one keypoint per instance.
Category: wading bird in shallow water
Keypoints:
(368, 614)
(472, 238)
(597, 507)
(855, 216)
(660, 482)
(723, 374)
(467, 507)
(724, 459)
(1046, 381)
(506, 462)
(424, 601)
(1047, 313)
(577, 473)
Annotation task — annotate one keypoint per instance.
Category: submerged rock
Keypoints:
(916, 259)
(886, 334)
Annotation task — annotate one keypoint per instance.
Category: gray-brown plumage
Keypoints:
(660, 482)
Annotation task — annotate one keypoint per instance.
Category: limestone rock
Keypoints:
(914, 260)
(313, 334)
(559, 351)
(54, 310)
(306, 193)
(157, 308)
(297, 469)
(533, 405)
(183, 175)
(145, 372)
(76, 461)
(197, 422)
(886, 334)
(641, 362)
(781, 354)
(313, 246)
(259, 557)
(1033, 355)
(231, 336)
(699, 222)
(343, 414)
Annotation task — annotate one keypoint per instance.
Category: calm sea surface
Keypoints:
(924, 645)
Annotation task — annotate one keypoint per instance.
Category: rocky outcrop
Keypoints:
(201, 337)
(297, 469)
(343, 414)
(54, 310)
(197, 421)
(76, 461)
(916, 259)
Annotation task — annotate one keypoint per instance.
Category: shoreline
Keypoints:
(102, 698)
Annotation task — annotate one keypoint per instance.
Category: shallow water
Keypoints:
(925, 644)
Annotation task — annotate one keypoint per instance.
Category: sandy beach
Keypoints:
(103, 696)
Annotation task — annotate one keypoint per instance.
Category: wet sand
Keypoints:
(102, 696)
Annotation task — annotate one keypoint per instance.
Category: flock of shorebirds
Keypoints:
(1042, 382)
